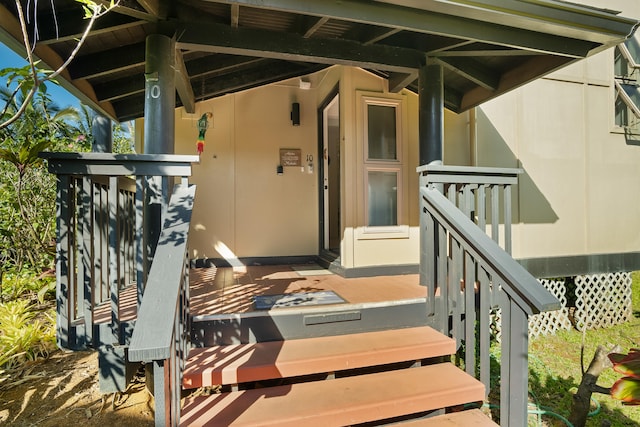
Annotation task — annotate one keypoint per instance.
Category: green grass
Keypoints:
(555, 372)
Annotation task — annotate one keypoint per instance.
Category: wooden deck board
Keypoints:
(233, 364)
(232, 290)
(338, 402)
(470, 418)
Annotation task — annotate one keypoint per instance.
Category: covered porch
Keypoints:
(124, 234)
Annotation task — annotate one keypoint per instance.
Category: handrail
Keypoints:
(101, 247)
(468, 275)
(516, 281)
(161, 335)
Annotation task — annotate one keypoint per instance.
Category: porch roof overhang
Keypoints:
(486, 47)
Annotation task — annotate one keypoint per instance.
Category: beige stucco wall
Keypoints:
(244, 209)
(576, 195)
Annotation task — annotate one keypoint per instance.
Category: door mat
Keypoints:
(267, 302)
(311, 270)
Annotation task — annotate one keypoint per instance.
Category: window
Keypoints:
(627, 85)
(384, 169)
(383, 198)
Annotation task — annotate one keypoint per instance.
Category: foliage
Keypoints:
(555, 372)
(30, 80)
(27, 211)
(627, 388)
(23, 336)
(121, 133)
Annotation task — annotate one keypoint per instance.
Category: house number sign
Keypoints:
(290, 157)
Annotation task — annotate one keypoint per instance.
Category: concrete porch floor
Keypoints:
(232, 289)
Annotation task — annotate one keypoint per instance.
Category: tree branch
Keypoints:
(582, 399)
(96, 12)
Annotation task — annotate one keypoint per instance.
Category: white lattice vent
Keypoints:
(551, 321)
(602, 300)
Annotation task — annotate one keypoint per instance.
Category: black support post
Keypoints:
(160, 95)
(102, 135)
(431, 114)
(159, 130)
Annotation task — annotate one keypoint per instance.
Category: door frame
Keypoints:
(322, 214)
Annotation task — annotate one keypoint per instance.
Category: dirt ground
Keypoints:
(64, 390)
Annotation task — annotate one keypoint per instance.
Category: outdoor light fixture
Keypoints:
(279, 170)
(305, 85)
(295, 114)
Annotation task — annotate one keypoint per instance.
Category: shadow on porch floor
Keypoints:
(232, 290)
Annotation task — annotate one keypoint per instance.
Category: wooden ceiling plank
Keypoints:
(118, 88)
(388, 15)
(278, 45)
(108, 61)
(71, 27)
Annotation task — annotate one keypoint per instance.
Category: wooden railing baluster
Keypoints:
(475, 275)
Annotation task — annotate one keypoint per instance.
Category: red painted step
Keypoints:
(233, 364)
(470, 418)
(338, 402)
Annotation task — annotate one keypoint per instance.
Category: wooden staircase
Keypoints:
(377, 378)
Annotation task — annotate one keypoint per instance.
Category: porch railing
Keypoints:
(468, 275)
(483, 194)
(161, 337)
(101, 255)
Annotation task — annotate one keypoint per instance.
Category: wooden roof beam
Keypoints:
(235, 15)
(515, 77)
(315, 27)
(473, 71)
(154, 7)
(398, 81)
(430, 22)
(183, 84)
(130, 8)
(218, 65)
(277, 45)
(388, 32)
(276, 71)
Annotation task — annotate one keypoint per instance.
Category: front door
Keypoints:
(330, 175)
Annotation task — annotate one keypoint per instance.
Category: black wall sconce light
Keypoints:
(279, 170)
(295, 114)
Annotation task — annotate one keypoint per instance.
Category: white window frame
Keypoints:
(623, 91)
(397, 165)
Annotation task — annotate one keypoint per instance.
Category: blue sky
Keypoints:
(60, 96)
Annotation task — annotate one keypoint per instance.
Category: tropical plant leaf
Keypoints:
(627, 390)
(628, 364)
